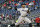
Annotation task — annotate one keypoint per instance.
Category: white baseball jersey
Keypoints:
(23, 11)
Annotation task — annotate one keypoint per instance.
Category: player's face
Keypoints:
(23, 6)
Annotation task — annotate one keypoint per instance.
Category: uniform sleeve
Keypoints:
(18, 9)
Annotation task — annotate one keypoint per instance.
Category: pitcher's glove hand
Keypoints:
(28, 12)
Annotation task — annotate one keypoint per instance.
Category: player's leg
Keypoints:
(20, 19)
(29, 21)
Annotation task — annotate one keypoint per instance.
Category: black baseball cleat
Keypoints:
(12, 25)
(17, 26)
(30, 25)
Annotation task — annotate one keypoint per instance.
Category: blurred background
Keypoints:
(9, 14)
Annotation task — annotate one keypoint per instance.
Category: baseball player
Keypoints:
(23, 16)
